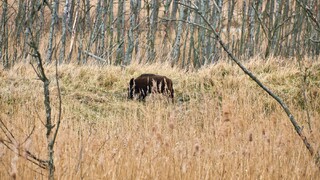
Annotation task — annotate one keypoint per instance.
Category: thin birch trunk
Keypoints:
(74, 32)
(132, 19)
(183, 64)
(137, 32)
(287, 29)
(176, 46)
(231, 5)
(51, 33)
(201, 33)
(317, 37)
(242, 38)
(215, 50)
(153, 30)
(166, 27)
(173, 13)
(4, 54)
(105, 6)
(97, 28)
(29, 19)
(251, 14)
(80, 38)
(277, 28)
(40, 22)
(110, 32)
(50, 134)
(18, 22)
(71, 11)
(270, 12)
(87, 15)
(19, 27)
(120, 33)
(296, 30)
(64, 30)
(258, 39)
(205, 42)
(191, 47)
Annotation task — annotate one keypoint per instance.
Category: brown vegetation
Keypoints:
(222, 126)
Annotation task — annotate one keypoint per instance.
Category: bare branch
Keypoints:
(59, 106)
(9, 143)
(94, 56)
(309, 14)
(6, 131)
(296, 126)
(315, 41)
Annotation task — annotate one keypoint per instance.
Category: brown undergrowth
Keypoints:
(221, 126)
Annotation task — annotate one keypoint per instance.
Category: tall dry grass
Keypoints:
(222, 126)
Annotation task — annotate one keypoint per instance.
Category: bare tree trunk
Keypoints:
(242, 38)
(293, 121)
(133, 16)
(80, 37)
(4, 36)
(276, 44)
(71, 10)
(29, 16)
(205, 42)
(286, 29)
(317, 36)
(64, 30)
(94, 32)
(251, 15)
(18, 29)
(74, 32)
(40, 23)
(213, 50)
(192, 50)
(174, 12)
(187, 29)
(153, 29)
(104, 9)
(231, 5)
(42, 76)
(183, 63)
(137, 32)
(97, 28)
(258, 39)
(110, 32)
(166, 26)
(51, 33)
(296, 29)
(87, 14)
(120, 33)
(50, 134)
(19, 19)
(176, 46)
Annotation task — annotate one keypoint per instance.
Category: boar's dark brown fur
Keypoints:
(150, 83)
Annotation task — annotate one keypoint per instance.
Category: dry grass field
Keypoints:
(221, 126)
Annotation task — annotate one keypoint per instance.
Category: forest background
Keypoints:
(221, 126)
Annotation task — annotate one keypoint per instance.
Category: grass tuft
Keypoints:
(221, 126)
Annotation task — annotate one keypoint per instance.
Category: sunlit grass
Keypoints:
(221, 126)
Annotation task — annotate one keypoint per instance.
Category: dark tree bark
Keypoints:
(4, 54)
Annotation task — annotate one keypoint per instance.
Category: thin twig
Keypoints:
(296, 126)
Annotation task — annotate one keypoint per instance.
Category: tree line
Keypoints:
(121, 32)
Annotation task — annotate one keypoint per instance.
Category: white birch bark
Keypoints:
(176, 46)
(51, 33)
